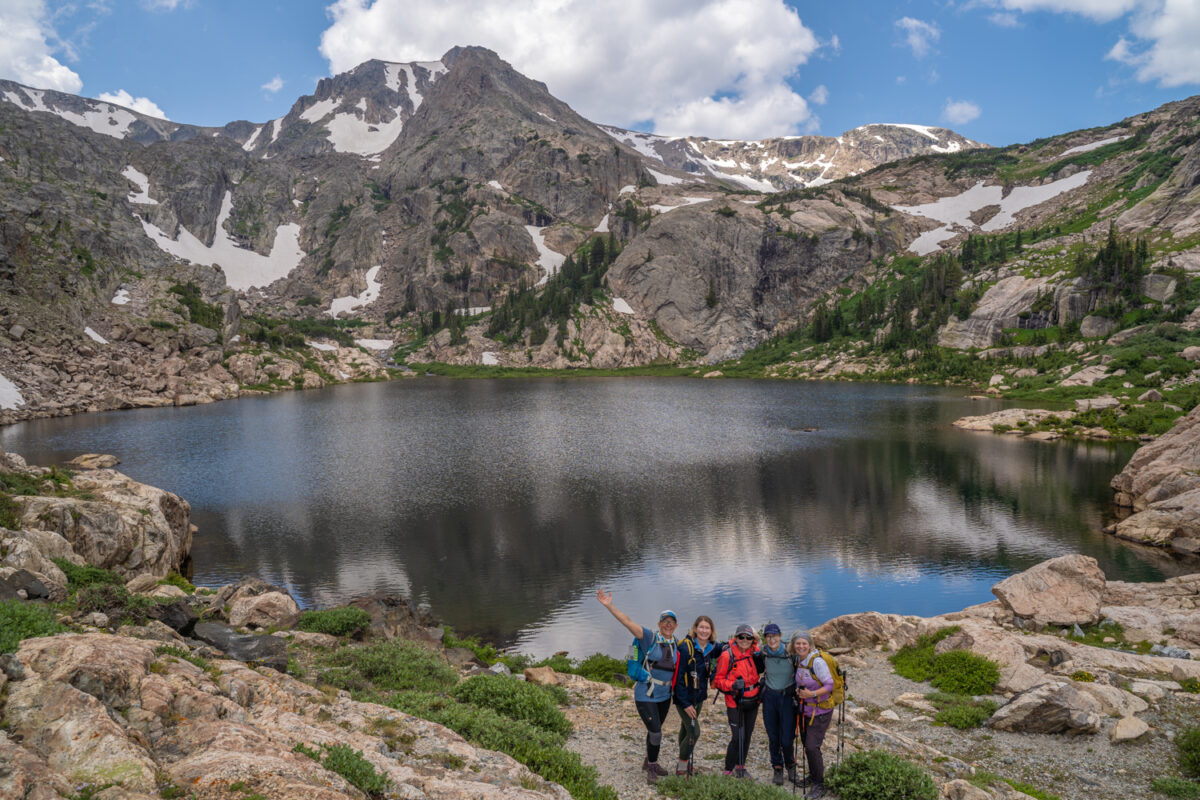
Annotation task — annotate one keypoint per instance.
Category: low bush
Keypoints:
(350, 764)
(596, 667)
(915, 661)
(961, 711)
(78, 577)
(344, 621)
(486, 653)
(516, 699)
(719, 787)
(19, 620)
(963, 672)
(1176, 787)
(10, 513)
(115, 601)
(537, 748)
(175, 579)
(388, 666)
(876, 775)
(1083, 676)
(1190, 685)
(1187, 747)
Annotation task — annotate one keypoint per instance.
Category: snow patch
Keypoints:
(243, 268)
(274, 130)
(687, 201)
(322, 346)
(663, 178)
(349, 134)
(95, 337)
(496, 185)
(602, 227)
(374, 344)
(143, 184)
(319, 110)
(956, 210)
(121, 297)
(490, 359)
(641, 142)
(249, 145)
(547, 259)
(921, 129)
(547, 116)
(621, 307)
(1083, 148)
(10, 395)
(627, 190)
(342, 305)
(102, 118)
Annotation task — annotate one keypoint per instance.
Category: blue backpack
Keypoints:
(637, 668)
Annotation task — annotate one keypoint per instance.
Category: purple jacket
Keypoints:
(813, 674)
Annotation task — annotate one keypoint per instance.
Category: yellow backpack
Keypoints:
(839, 679)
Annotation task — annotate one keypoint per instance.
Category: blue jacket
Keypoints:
(695, 664)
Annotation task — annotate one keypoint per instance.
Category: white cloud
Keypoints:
(1004, 20)
(919, 35)
(165, 5)
(819, 96)
(273, 85)
(960, 112)
(720, 64)
(26, 53)
(1161, 45)
(142, 105)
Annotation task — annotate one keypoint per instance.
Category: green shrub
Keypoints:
(1190, 685)
(1083, 676)
(718, 787)
(915, 661)
(604, 669)
(344, 621)
(1187, 747)
(519, 700)
(19, 620)
(963, 672)
(350, 764)
(965, 715)
(175, 579)
(10, 513)
(1176, 787)
(388, 666)
(115, 601)
(486, 653)
(876, 775)
(537, 748)
(79, 577)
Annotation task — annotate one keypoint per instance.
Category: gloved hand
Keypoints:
(739, 686)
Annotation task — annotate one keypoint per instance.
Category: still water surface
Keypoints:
(504, 504)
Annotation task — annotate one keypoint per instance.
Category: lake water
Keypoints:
(504, 504)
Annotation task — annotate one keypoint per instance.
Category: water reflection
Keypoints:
(504, 504)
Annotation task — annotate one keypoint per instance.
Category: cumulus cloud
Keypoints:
(819, 96)
(26, 52)
(165, 5)
(1161, 42)
(273, 85)
(720, 65)
(960, 112)
(142, 105)
(919, 35)
(1002, 19)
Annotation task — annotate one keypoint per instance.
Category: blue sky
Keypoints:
(998, 71)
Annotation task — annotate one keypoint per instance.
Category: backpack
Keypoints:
(839, 680)
(638, 668)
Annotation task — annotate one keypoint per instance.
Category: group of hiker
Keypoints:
(797, 686)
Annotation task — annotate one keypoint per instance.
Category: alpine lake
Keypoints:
(504, 504)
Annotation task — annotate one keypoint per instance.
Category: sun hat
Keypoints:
(667, 613)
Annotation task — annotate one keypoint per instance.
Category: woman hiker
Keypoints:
(779, 714)
(697, 652)
(737, 676)
(652, 697)
(814, 683)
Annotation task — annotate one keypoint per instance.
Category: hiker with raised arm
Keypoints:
(737, 675)
(815, 690)
(653, 664)
(698, 651)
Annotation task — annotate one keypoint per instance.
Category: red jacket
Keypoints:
(743, 667)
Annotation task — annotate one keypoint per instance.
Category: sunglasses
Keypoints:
(744, 636)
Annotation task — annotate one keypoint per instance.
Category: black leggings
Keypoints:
(741, 725)
(813, 729)
(653, 715)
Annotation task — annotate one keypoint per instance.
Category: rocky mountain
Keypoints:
(455, 211)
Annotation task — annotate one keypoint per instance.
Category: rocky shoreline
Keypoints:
(210, 692)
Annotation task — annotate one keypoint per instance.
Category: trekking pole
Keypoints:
(804, 741)
(795, 734)
(841, 718)
(741, 742)
(692, 738)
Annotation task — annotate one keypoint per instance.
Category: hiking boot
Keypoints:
(778, 778)
(740, 772)
(656, 768)
(816, 791)
(791, 775)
